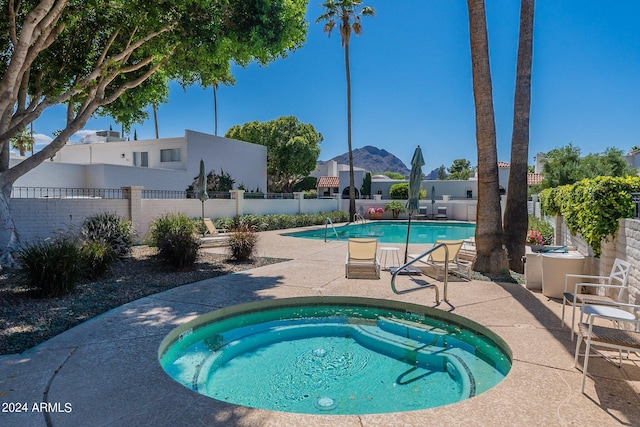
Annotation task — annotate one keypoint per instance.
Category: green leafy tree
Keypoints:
(442, 174)
(292, 149)
(609, 163)
(394, 175)
(460, 169)
(89, 55)
(491, 257)
(348, 14)
(561, 166)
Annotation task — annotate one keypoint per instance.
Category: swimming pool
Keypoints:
(394, 231)
(335, 356)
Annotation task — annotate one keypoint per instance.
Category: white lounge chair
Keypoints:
(617, 280)
(213, 236)
(362, 257)
(437, 260)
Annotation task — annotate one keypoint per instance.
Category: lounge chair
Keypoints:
(437, 260)
(442, 212)
(579, 295)
(211, 228)
(607, 337)
(213, 236)
(362, 257)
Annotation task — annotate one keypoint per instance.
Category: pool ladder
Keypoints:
(405, 267)
(357, 217)
(326, 223)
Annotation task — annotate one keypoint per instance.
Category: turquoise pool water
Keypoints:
(334, 355)
(394, 231)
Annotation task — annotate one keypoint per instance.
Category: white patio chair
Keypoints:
(607, 337)
(617, 279)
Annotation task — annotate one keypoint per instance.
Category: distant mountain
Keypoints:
(374, 160)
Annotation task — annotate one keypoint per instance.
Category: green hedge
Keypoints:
(280, 221)
(592, 207)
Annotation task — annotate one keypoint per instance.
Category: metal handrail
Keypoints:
(428, 285)
(328, 221)
(357, 217)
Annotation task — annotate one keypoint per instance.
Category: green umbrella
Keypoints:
(415, 178)
(202, 186)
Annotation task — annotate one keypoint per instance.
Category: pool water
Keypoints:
(394, 231)
(333, 359)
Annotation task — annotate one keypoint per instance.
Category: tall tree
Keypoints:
(292, 149)
(89, 55)
(516, 215)
(349, 14)
(460, 169)
(491, 257)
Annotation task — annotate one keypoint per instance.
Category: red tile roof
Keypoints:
(328, 182)
(503, 165)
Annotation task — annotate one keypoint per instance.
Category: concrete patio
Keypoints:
(105, 372)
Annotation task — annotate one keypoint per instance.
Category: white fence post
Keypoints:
(238, 196)
(299, 196)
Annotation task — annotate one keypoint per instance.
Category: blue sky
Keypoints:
(411, 82)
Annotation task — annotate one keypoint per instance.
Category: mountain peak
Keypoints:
(374, 160)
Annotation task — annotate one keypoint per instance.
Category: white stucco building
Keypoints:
(155, 164)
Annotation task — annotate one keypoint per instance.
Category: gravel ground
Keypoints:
(26, 320)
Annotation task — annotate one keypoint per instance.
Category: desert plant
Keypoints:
(97, 257)
(111, 229)
(54, 265)
(242, 243)
(395, 207)
(175, 237)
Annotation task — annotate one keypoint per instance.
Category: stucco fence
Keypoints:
(39, 218)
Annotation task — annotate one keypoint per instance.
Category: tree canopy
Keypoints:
(460, 169)
(564, 166)
(116, 57)
(292, 149)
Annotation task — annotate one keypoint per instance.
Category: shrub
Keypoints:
(399, 191)
(97, 257)
(54, 265)
(280, 221)
(175, 237)
(395, 207)
(111, 229)
(242, 243)
(543, 227)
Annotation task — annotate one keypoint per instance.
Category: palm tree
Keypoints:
(23, 141)
(516, 217)
(349, 14)
(491, 257)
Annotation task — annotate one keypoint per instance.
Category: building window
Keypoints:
(170, 155)
(141, 159)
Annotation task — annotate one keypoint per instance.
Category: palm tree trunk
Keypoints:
(516, 216)
(155, 120)
(491, 257)
(352, 191)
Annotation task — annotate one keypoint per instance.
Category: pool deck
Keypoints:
(105, 372)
